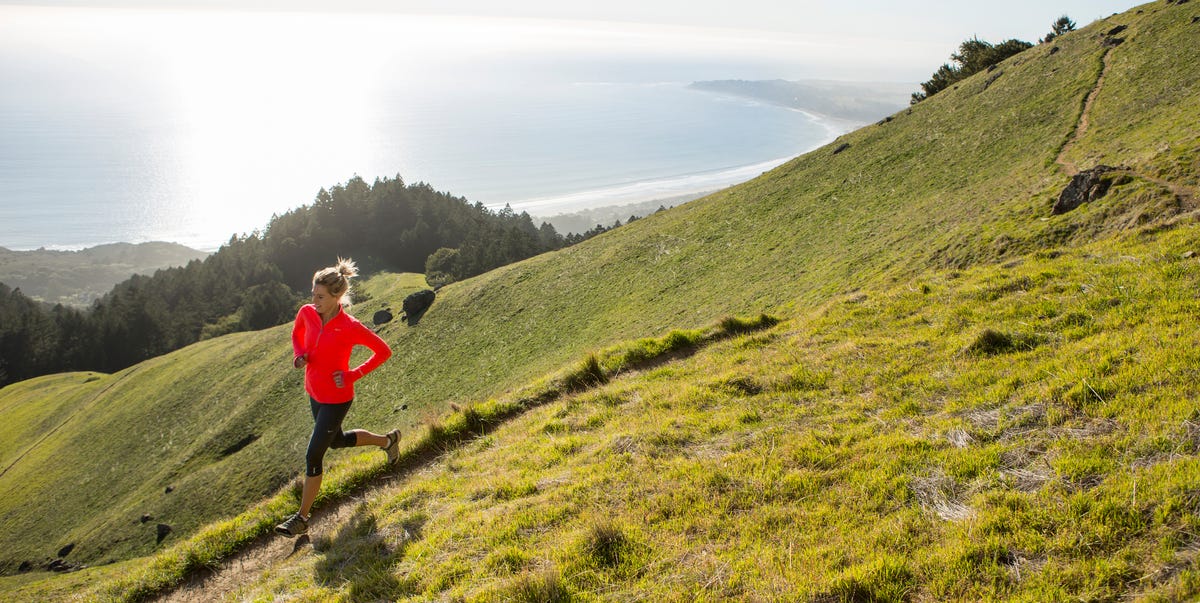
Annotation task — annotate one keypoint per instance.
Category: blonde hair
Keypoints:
(337, 279)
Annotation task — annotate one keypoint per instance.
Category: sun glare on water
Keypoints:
(263, 109)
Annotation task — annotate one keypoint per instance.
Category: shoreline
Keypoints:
(664, 188)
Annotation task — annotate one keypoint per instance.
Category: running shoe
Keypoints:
(293, 526)
(393, 447)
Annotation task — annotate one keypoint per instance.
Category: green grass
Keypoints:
(949, 394)
(914, 471)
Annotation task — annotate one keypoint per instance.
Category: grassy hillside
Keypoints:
(1021, 432)
(969, 397)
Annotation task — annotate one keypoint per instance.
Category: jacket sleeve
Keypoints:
(379, 347)
(302, 331)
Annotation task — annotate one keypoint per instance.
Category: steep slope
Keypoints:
(966, 178)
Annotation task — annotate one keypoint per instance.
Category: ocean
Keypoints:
(191, 127)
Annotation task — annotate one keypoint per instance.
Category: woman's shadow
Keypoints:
(363, 556)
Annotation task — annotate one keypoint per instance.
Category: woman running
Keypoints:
(322, 338)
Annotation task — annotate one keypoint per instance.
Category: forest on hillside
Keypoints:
(258, 280)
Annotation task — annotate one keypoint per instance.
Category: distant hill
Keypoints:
(77, 278)
(970, 395)
(584, 220)
(851, 101)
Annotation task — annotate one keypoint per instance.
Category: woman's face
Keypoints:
(325, 302)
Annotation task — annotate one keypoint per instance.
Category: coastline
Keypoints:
(664, 188)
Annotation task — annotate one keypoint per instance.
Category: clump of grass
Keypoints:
(991, 342)
(545, 586)
(885, 580)
(604, 543)
(587, 375)
(733, 325)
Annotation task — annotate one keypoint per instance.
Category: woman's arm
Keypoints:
(382, 352)
(307, 324)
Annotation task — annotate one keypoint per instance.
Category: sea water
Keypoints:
(193, 127)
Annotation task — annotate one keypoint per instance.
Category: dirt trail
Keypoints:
(245, 566)
(1082, 125)
(1185, 194)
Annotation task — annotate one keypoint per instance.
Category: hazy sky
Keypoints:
(855, 40)
(945, 21)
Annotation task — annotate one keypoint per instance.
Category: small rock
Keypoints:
(1053, 50)
(66, 550)
(146, 517)
(58, 565)
(841, 147)
(163, 530)
(1188, 254)
(1116, 30)
(169, 489)
(381, 317)
(25, 566)
(1111, 42)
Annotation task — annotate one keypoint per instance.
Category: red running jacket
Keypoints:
(326, 348)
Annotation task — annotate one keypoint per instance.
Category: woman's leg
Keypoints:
(327, 432)
(363, 437)
(312, 485)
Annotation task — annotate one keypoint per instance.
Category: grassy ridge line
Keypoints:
(214, 543)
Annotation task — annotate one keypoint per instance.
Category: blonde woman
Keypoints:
(322, 338)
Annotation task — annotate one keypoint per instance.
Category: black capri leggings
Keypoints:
(327, 433)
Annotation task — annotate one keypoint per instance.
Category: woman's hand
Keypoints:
(338, 378)
(301, 361)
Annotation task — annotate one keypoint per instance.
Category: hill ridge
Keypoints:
(47, 435)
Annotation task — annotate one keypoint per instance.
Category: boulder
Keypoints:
(66, 550)
(1085, 187)
(415, 305)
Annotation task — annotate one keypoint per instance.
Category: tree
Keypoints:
(442, 266)
(973, 56)
(1058, 28)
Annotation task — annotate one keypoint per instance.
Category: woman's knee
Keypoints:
(347, 439)
(312, 466)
